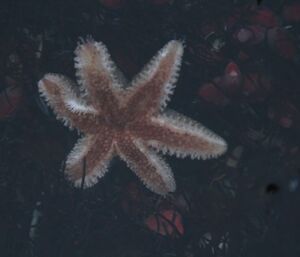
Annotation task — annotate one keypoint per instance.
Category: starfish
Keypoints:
(129, 120)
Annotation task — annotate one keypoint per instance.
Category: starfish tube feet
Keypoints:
(129, 120)
(62, 97)
(152, 170)
(89, 159)
(152, 87)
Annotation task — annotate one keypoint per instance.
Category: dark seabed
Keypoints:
(240, 77)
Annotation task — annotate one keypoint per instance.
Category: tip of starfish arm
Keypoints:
(63, 89)
(89, 179)
(80, 169)
(193, 139)
(173, 44)
(219, 148)
(57, 85)
(170, 86)
(41, 86)
(92, 55)
(169, 184)
(165, 64)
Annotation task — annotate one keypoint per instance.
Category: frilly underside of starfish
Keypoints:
(123, 119)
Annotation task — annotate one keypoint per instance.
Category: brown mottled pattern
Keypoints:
(97, 151)
(103, 98)
(140, 162)
(176, 138)
(123, 121)
(92, 72)
(147, 95)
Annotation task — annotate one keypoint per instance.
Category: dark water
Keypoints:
(239, 77)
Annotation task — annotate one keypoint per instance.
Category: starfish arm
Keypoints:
(89, 159)
(175, 134)
(68, 107)
(151, 89)
(97, 74)
(152, 170)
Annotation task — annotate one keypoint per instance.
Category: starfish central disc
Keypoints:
(117, 124)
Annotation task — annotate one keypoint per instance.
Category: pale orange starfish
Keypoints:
(128, 121)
